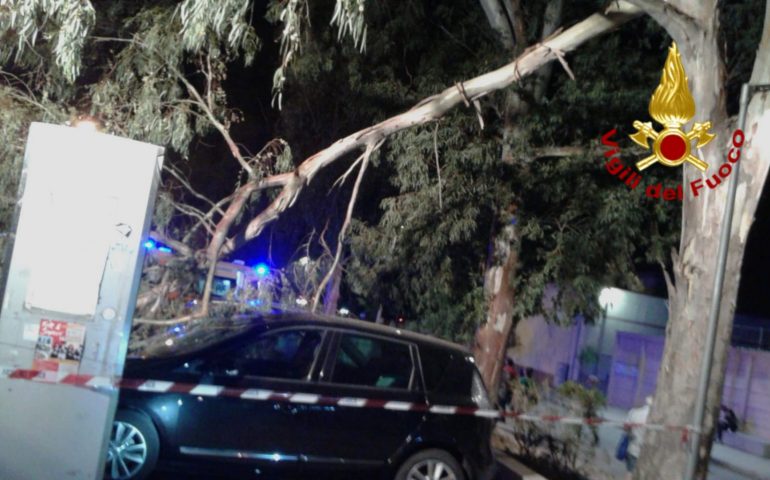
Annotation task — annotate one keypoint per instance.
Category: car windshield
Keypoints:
(181, 339)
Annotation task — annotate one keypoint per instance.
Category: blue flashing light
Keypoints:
(255, 303)
(164, 249)
(149, 244)
(261, 269)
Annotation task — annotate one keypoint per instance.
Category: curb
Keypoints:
(515, 469)
(746, 473)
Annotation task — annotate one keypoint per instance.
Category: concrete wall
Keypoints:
(555, 350)
(630, 342)
(543, 346)
(747, 379)
(634, 369)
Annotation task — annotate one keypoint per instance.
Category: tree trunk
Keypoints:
(492, 337)
(664, 454)
(332, 294)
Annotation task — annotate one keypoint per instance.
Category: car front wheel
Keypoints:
(133, 449)
(431, 464)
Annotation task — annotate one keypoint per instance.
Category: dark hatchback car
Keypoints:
(299, 396)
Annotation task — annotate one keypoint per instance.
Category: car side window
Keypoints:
(286, 354)
(372, 362)
(435, 363)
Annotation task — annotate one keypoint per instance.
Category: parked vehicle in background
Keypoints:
(252, 398)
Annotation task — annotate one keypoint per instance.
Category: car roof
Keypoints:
(304, 318)
(216, 330)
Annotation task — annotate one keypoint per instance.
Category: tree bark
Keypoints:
(500, 19)
(220, 235)
(664, 454)
(332, 293)
(492, 338)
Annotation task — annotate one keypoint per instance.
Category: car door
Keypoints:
(364, 366)
(251, 422)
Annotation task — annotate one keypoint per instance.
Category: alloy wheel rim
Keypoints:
(127, 451)
(431, 470)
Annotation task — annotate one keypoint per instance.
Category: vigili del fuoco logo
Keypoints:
(672, 106)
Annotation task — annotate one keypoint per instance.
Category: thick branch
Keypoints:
(272, 181)
(544, 152)
(235, 207)
(343, 230)
(551, 21)
(178, 246)
(436, 106)
(219, 237)
(173, 321)
(500, 20)
(517, 18)
(678, 23)
(216, 208)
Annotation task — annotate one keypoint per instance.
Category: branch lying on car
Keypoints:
(431, 109)
(427, 110)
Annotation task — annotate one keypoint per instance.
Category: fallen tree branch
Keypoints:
(220, 236)
(428, 110)
(434, 107)
(348, 216)
(173, 321)
(347, 173)
(216, 208)
(180, 247)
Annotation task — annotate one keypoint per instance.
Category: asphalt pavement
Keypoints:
(503, 473)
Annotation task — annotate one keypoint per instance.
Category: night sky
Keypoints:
(753, 298)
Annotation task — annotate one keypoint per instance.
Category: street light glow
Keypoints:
(87, 123)
(610, 297)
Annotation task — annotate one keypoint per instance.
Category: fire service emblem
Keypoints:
(672, 106)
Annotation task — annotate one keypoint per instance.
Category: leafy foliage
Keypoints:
(294, 15)
(60, 25)
(445, 193)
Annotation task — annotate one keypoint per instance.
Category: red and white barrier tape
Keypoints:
(162, 386)
(202, 390)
